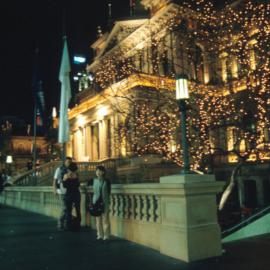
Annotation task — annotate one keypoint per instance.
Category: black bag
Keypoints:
(96, 209)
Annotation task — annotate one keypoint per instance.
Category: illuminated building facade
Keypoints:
(224, 54)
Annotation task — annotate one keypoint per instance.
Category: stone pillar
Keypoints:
(223, 61)
(234, 67)
(113, 136)
(206, 67)
(88, 140)
(95, 142)
(189, 230)
(102, 139)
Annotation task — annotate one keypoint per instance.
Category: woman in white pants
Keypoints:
(102, 187)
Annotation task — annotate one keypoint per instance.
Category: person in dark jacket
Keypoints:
(72, 196)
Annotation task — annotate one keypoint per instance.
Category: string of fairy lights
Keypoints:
(237, 35)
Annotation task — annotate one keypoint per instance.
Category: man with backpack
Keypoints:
(60, 190)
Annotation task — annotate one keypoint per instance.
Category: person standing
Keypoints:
(73, 196)
(102, 187)
(60, 190)
(29, 165)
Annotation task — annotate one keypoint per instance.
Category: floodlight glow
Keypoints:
(91, 77)
(181, 87)
(79, 59)
(81, 120)
(102, 111)
(54, 113)
(9, 159)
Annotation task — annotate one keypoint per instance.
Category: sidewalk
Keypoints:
(30, 241)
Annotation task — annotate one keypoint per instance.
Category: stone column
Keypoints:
(102, 139)
(189, 230)
(88, 141)
(223, 60)
(206, 67)
(112, 131)
(234, 66)
(95, 142)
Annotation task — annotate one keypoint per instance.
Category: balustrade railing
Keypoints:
(42, 173)
(149, 214)
(140, 202)
(34, 177)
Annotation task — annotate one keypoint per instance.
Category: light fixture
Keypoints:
(181, 87)
(79, 59)
(182, 95)
(81, 120)
(90, 77)
(102, 111)
(54, 113)
(9, 159)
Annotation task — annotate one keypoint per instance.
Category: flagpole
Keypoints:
(35, 140)
(63, 131)
(63, 154)
(35, 121)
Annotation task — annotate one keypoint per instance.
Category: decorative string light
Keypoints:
(242, 35)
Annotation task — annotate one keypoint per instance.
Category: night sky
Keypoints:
(23, 24)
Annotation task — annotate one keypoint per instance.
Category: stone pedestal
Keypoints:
(189, 230)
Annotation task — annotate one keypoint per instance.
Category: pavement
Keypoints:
(30, 241)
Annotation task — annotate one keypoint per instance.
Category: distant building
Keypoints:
(16, 140)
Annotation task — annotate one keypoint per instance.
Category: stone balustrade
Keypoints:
(164, 216)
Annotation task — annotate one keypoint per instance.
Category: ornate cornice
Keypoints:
(138, 38)
(135, 80)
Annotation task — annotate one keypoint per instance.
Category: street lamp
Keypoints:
(9, 161)
(181, 96)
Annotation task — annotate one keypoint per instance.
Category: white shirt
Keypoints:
(59, 180)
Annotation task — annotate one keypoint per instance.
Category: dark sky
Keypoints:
(23, 24)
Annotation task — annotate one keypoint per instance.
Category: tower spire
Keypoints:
(131, 7)
(110, 22)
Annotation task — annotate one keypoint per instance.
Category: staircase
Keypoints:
(43, 176)
(256, 224)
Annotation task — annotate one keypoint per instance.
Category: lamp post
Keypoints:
(181, 96)
(9, 161)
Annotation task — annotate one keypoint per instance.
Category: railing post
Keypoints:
(189, 221)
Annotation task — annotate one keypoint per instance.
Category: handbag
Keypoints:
(96, 209)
